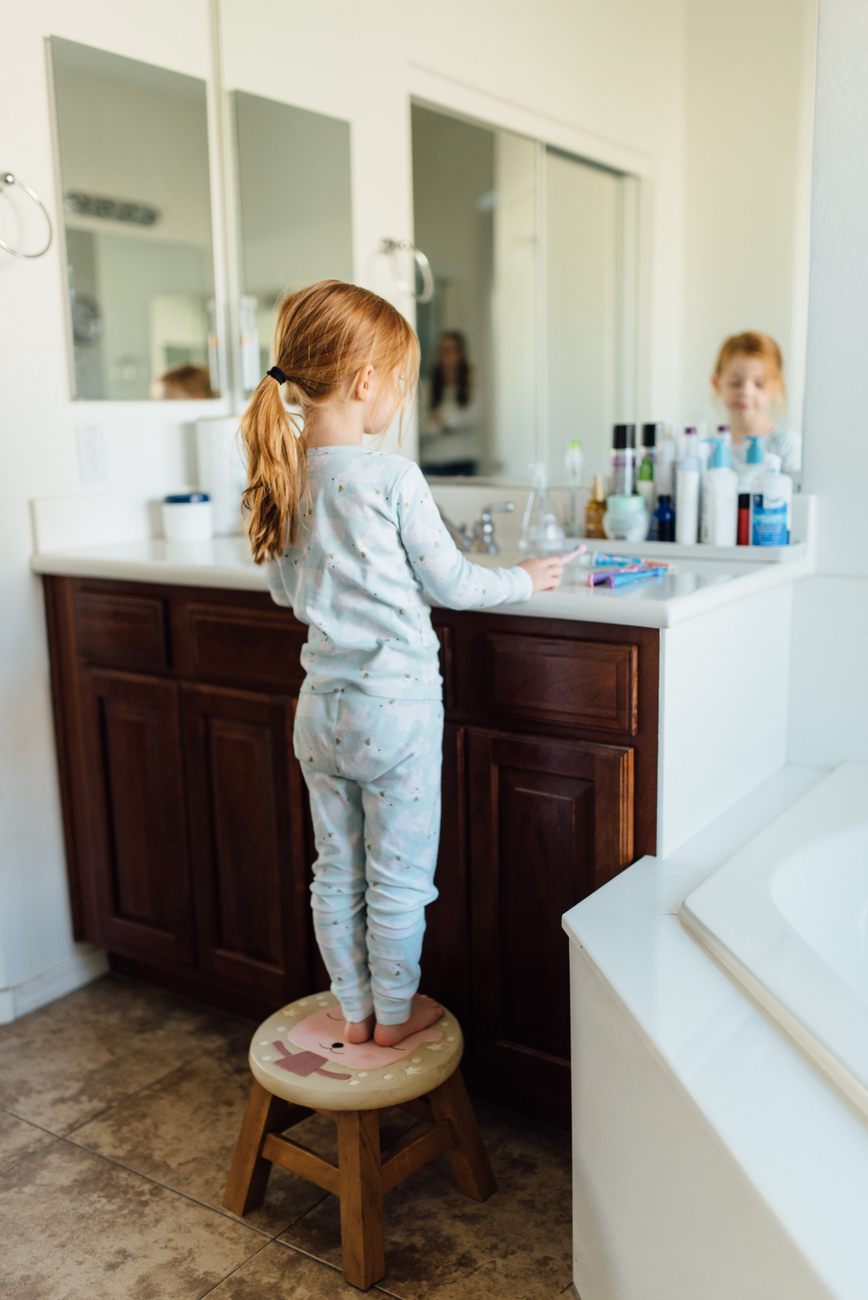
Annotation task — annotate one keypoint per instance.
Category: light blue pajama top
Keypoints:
(372, 546)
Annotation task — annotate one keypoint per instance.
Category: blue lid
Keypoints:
(719, 454)
(185, 498)
(754, 452)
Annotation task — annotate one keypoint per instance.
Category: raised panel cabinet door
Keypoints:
(247, 840)
(550, 821)
(135, 816)
(446, 951)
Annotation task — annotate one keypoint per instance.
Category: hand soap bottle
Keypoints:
(541, 531)
(748, 472)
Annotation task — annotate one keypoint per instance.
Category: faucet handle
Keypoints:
(483, 532)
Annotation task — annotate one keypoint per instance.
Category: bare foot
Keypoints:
(359, 1031)
(424, 1011)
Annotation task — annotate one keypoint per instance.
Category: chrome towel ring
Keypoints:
(6, 178)
(393, 246)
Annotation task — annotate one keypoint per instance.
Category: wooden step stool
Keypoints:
(301, 1065)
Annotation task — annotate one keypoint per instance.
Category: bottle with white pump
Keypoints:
(719, 498)
(687, 491)
(772, 505)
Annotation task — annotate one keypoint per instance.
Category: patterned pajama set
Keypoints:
(369, 723)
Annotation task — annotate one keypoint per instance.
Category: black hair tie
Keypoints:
(277, 373)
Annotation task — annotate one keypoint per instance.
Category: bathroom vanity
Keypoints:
(188, 835)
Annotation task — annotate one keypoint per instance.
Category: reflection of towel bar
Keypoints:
(6, 178)
(393, 246)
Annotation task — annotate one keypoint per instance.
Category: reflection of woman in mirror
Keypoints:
(450, 435)
(749, 380)
(183, 383)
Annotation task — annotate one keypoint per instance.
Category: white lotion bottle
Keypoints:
(687, 491)
(772, 505)
(719, 498)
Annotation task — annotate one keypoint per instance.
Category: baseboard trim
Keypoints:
(84, 966)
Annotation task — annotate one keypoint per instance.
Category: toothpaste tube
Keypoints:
(634, 574)
(603, 560)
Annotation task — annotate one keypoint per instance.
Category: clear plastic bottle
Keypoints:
(541, 530)
(647, 466)
(573, 468)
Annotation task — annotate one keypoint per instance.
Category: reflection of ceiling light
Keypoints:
(93, 205)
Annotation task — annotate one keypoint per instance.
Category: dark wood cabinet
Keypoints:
(247, 839)
(188, 832)
(135, 821)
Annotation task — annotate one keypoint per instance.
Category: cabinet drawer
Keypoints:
(582, 683)
(121, 631)
(247, 647)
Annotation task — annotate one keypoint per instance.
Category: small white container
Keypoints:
(626, 519)
(188, 517)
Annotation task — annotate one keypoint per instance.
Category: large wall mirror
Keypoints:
(546, 322)
(133, 143)
(295, 209)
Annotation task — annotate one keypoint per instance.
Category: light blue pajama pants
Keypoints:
(372, 768)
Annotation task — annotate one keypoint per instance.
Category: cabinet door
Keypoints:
(135, 815)
(247, 840)
(446, 953)
(549, 822)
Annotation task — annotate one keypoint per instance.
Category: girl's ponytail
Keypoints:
(325, 335)
(276, 472)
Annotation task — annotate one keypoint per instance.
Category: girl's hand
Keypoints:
(546, 574)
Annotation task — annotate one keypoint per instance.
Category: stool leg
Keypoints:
(248, 1176)
(469, 1159)
(361, 1196)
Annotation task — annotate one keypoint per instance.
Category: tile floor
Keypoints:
(119, 1108)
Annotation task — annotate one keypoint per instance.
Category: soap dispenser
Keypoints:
(541, 530)
(753, 466)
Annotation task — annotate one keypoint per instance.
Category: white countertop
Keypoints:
(698, 585)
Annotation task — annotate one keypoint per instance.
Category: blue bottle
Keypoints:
(663, 522)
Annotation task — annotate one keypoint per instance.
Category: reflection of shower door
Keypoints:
(586, 385)
(532, 253)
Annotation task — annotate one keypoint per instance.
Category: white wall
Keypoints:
(829, 684)
(147, 453)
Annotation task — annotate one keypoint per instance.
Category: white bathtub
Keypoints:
(788, 917)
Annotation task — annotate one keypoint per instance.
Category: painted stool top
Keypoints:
(298, 1054)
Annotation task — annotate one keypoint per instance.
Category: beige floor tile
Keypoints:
(77, 1226)
(279, 1271)
(442, 1246)
(60, 1066)
(182, 1132)
(18, 1140)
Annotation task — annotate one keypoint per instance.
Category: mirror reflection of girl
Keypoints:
(353, 543)
(449, 433)
(749, 380)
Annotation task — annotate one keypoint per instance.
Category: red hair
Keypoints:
(754, 344)
(325, 336)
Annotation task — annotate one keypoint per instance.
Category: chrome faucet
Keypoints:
(483, 529)
(458, 534)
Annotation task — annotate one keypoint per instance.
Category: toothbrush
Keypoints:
(572, 555)
(632, 575)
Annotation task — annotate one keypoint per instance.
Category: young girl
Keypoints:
(749, 379)
(354, 543)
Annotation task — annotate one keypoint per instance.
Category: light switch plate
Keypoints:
(92, 459)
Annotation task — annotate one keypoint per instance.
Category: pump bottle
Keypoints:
(772, 505)
(719, 498)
